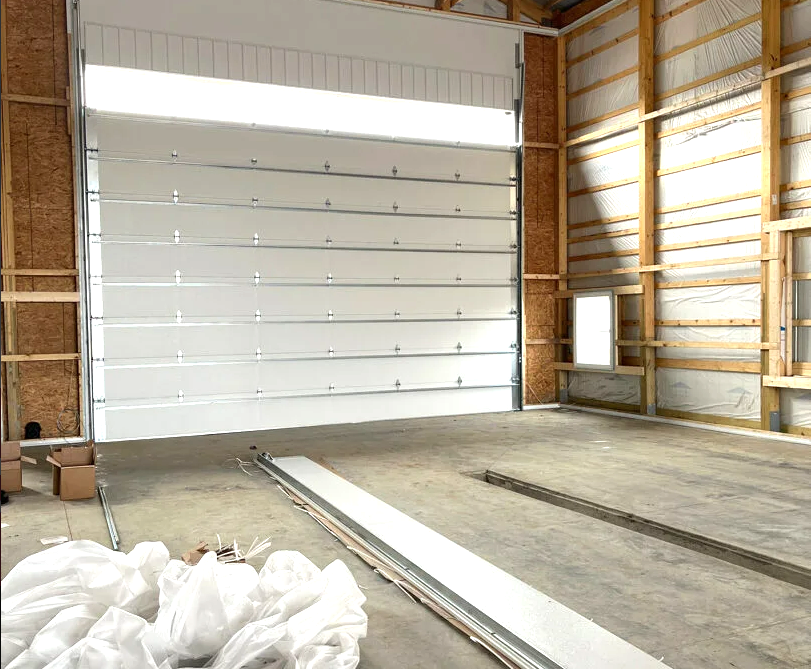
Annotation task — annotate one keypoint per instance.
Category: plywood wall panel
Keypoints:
(540, 216)
(42, 202)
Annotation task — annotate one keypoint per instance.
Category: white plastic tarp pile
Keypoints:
(81, 605)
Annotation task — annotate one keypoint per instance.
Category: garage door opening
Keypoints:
(264, 256)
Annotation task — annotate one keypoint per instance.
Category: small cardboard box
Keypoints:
(74, 472)
(12, 475)
(9, 450)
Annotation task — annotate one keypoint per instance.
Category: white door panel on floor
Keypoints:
(230, 297)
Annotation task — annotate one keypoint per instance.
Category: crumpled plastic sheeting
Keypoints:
(795, 407)
(729, 394)
(611, 387)
(73, 574)
(291, 615)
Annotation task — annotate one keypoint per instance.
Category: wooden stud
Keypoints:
(710, 365)
(604, 235)
(618, 290)
(541, 277)
(562, 313)
(723, 116)
(39, 296)
(602, 272)
(443, 5)
(40, 272)
(514, 10)
(603, 47)
(36, 100)
(710, 78)
(601, 187)
(695, 204)
(602, 117)
(791, 67)
(39, 357)
(709, 37)
(771, 288)
(702, 243)
(622, 253)
(800, 322)
(787, 141)
(711, 419)
(786, 224)
(799, 382)
(737, 260)
(591, 24)
(796, 93)
(723, 157)
(795, 185)
(603, 221)
(647, 175)
(714, 218)
(794, 48)
(697, 344)
(793, 206)
(603, 82)
(603, 152)
(618, 369)
(710, 322)
(789, 306)
(801, 276)
(541, 145)
(700, 283)
(675, 12)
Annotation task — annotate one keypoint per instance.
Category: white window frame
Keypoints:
(612, 329)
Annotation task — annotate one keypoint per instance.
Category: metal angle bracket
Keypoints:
(108, 517)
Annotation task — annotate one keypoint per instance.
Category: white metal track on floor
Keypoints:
(528, 627)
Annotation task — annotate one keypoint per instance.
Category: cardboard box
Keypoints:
(74, 472)
(12, 475)
(9, 450)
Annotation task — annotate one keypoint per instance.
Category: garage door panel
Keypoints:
(150, 181)
(196, 299)
(196, 143)
(158, 223)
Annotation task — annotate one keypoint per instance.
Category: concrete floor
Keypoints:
(694, 611)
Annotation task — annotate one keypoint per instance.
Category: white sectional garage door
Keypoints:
(246, 278)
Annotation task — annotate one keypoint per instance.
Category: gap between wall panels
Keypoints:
(670, 160)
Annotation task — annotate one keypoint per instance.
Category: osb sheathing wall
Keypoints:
(40, 198)
(540, 216)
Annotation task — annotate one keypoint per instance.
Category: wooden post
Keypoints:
(562, 306)
(789, 307)
(12, 369)
(771, 289)
(513, 10)
(647, 249)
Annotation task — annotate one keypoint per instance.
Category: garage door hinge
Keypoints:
(92, 152)
(99, 401)
(93, 195)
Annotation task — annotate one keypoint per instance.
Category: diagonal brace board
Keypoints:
(528, 627)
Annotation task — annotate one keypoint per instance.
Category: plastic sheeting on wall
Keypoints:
(688, 215)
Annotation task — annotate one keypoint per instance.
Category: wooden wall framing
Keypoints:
(775, 368)
(41, 368)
